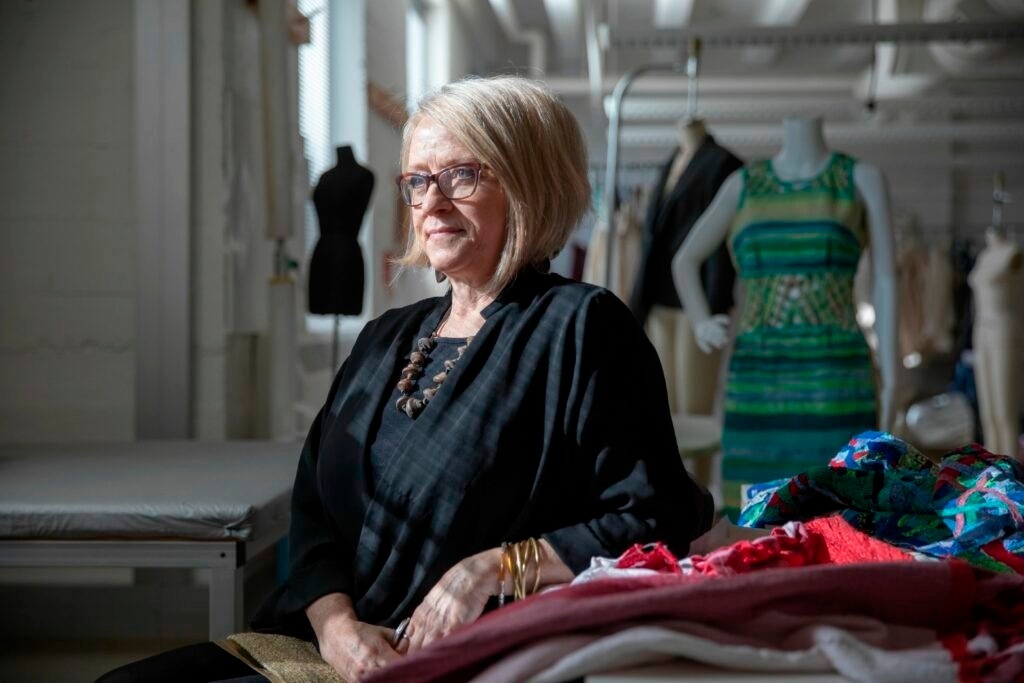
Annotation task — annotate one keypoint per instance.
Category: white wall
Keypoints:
(67, 221)
(209, 219)
(386, 68)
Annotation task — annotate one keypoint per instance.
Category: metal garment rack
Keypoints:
(811, 36)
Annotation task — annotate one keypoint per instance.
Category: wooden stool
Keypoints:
(699, 438)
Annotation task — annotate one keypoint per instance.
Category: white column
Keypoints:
(163, 128)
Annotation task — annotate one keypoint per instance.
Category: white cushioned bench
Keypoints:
(187, 504)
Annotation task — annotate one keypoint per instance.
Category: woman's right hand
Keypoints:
(712, 333)
(353, 648)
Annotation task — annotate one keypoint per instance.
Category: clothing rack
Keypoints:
(694, 39)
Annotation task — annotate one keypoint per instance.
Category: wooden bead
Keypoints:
(409, 404)
(413, 407)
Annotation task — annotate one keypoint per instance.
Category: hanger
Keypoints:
(692, 76)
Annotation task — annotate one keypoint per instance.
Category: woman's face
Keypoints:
(462, 238)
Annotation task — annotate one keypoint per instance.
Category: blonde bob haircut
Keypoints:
(532, 144)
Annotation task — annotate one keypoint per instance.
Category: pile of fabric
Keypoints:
(856, 589)
(969, 506)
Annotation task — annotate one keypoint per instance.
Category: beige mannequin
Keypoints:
(691, 376)
(997, 281)
(691, 134)
(803, 154)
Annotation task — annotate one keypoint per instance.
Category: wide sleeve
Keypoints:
(318, 563)
(632, 484)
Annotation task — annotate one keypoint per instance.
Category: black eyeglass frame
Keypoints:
(433, 178)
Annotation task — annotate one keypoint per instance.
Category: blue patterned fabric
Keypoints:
(970, 505)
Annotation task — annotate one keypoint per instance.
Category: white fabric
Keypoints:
(833, 650)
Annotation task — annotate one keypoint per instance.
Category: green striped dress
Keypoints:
(800, 380)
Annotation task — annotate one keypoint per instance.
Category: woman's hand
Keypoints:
(353, 648)
(458, 598)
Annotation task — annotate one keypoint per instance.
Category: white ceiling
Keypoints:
(948, 92)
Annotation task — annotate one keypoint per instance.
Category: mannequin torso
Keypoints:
(800, 379)
(341, 197)
(997, 282)
(799, 135)
(691, 136)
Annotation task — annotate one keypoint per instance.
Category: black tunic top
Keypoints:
(554, 423)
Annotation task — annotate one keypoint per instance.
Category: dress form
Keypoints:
(336, 270)
(692, 374)
(997, 282)
(691, 133)
(803, 154)
(686, 185)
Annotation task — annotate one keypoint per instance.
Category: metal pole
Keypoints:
(612, 170)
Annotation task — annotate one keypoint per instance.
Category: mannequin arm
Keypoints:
(871, 186)
(704, 237)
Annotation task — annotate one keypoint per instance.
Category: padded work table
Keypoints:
(189, 504)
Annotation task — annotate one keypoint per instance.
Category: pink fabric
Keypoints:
(948, 597)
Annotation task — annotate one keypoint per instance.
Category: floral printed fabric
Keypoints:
(970, 505)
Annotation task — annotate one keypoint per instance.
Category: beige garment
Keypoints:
(281, 659)
(628, 243)
(692, 376)
(997, 281)
(938, 302)
(912, 270)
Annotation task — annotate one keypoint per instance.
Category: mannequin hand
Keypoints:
(354, 648)
(712, 333)
(458, 598)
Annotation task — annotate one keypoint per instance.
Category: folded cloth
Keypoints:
(965, 610)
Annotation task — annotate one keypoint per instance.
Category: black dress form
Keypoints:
(336, 276)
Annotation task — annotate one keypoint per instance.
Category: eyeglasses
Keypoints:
(454, 182)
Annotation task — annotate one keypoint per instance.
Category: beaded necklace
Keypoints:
(409, 404)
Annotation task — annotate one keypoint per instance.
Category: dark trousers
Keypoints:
(199, 663)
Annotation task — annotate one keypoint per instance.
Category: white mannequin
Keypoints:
(997, 281)
(803, 155)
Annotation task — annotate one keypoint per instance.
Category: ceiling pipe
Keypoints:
(536, 43)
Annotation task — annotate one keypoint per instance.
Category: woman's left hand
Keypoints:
(458, 598)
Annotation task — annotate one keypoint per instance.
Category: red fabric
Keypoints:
(774, 551)
(843, 544)
(652, 556)
(998, 552)
(944, 596)
(991, 647)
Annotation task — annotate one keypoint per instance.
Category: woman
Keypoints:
(521, 405)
